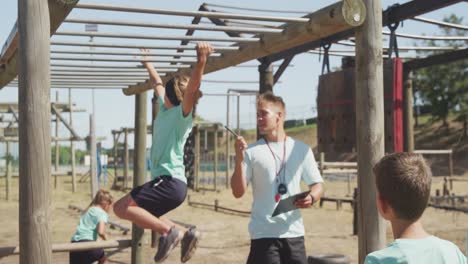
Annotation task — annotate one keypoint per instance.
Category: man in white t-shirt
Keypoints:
(275, 166)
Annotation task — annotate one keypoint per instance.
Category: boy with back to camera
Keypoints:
(403, 183)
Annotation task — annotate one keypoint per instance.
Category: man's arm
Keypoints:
(238, 179)
(155, 79)
(316, 192)
(203, 51)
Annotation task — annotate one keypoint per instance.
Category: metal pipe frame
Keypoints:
(114, 53)
(406, 48)
(132, 46)
(191, 13)
(259, 9)
(229, 94)
(86, 84)
(412, 36)
(439, 23)
(142, 36)
(138, 66)
(101, 79)
(90, 58)
(96, 81)
(175, 26)
(87, 87)
(61, 70)
(109, 84)
(101, 75)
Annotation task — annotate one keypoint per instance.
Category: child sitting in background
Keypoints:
(403, 188)
(92, 223)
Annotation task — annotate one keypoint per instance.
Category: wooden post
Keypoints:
(72, 143)
(450, 165)
(116, 163)
(34, 132)
(197, 157)
(205, 141)
(56, 142)
(8, 171)
(216, 204)
(322, 163)
(266, 77)
(355, 211)
(215, 162)
(369, 125)
(92, 147)
(228, 144)
(408, 113)
(349, 184)
(139, 170)
(266, 81)
(126, 158)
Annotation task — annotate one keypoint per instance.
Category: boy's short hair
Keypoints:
(269, 97)
(404, 181)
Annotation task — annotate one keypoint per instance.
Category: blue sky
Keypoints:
(298, 84)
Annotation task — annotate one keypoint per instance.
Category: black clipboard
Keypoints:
(287, 204)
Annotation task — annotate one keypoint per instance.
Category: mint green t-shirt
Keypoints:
(87, 228)
(430, 250)
(170, 131)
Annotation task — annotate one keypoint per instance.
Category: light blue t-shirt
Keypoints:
(430, 250)
(170, 131)
(87, 228)
(259, 168)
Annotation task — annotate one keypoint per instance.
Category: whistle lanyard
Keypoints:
(283, 162)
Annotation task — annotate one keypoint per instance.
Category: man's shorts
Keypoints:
(85, 257)
(277, 250)
(160, 195)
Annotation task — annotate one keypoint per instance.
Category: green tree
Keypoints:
(445, 87)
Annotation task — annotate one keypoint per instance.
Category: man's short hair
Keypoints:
(404, 181)
(269, 97)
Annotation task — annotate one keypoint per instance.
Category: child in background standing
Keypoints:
(92, 224)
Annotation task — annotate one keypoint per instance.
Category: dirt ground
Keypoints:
(224, 236)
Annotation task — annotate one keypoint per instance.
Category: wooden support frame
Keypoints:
(68, 126)
(58, 10)
(327, 21)
(389, 16)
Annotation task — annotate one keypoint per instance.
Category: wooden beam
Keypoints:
(327, 21)
(369, 126)
(34, 131)
(58, 11)
(60, 117)
(389, 16)
(13, 108)
(70, 247)
(282, 68)
(434, 60)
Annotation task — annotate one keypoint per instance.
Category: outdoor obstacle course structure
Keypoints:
(332, 23)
